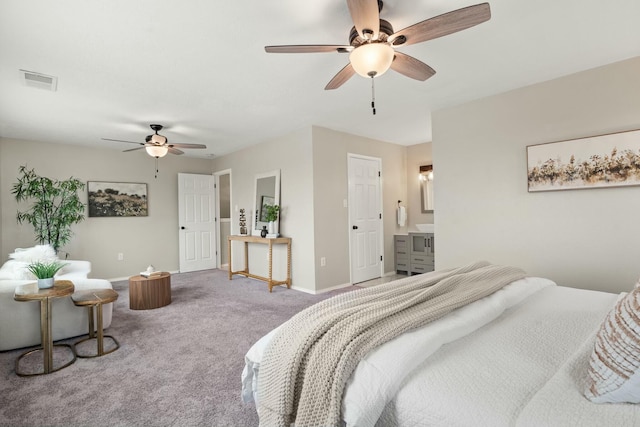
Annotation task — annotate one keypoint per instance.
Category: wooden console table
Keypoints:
(263, 241)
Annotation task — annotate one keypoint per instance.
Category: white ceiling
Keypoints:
(199, 66)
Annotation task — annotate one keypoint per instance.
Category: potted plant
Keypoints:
(44, 272)
(271, 216)
(55, 206)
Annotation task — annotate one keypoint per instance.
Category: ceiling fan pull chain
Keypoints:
(373, 97)
(156, 168)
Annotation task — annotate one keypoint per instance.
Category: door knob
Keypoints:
(355, 227)
(183, 228)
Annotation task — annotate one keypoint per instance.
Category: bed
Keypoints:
(520, 356)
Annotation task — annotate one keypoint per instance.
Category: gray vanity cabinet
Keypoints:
(421, 255)
(414, 253)
(401, 251)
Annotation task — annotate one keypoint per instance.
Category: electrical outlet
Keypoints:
(323, 262)
(120, 256)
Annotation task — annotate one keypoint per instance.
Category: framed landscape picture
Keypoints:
(610, 160)
(117, 199)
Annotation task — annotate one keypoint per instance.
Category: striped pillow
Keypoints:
(614, 367)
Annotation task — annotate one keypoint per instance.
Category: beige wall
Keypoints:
(292, 155)
(330, 190)
(579, 238)
(313, 164)
(417, 155)
(142, 240)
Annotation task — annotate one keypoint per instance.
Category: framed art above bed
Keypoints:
(610, 160)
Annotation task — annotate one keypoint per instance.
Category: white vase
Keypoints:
(45, 283)
(272, 227)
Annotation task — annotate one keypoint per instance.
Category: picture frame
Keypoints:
(264, 202)
(117, 199)
(600, 161)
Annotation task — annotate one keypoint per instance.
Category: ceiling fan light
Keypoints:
(156, 151)
(371, 59)
(158, 139)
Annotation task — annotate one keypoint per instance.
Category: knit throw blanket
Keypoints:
(306, 366)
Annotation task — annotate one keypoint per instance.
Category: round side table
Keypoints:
(31, 292)
(90, 299)
(146, 293)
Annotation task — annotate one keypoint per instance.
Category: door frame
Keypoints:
(349, 204)
(216, 175)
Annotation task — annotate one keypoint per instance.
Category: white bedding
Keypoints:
(488, 378)
(385, 368)
(517, 357)
(561, 403)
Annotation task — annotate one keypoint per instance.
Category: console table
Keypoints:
(263, 241)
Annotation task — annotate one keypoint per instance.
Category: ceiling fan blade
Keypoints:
(411, 67)
(442, 25)
(340, 78)
(134, 149)
(307, 48)
(175, 150)
(120, 140)
(187, 146)
(365, 16)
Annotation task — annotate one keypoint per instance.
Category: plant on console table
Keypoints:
(44, 272)
(56, 206)
(271, 216)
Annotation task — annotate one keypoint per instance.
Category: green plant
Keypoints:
(56, 206)
(272, 212)
(45, 270)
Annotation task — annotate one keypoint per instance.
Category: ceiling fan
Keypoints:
(157, 145)
(372, 41)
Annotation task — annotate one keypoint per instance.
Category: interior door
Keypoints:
(365, 218)
(196, 217)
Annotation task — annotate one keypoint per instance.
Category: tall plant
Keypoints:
(56, 206)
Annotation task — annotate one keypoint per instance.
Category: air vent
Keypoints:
(39, 80)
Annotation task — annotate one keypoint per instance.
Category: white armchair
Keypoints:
(20, 321)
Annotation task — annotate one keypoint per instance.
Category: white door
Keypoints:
(365, 218)
(196, 218)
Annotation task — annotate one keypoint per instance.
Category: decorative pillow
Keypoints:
(42, 253)
(614, 367)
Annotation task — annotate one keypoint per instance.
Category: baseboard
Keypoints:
(322, 291)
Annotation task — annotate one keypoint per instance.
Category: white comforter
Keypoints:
(505, 374)
(523, 365)
(382, 373)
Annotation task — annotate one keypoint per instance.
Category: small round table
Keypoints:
(146, 293)
(95, 298)
(31, 292)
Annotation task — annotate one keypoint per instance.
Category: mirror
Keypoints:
(267, 192)
(426, 188)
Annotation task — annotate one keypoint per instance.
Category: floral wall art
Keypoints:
(597, 161)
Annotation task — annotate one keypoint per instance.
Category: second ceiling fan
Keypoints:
(372, 41)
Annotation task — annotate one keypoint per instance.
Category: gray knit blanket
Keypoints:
(306, 365)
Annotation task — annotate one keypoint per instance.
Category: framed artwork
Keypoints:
(117, 199)
(610, 160)
(266, 200)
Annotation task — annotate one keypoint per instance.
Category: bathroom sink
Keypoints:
(425, 228)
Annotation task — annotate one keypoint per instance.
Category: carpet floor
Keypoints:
(177, 365)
